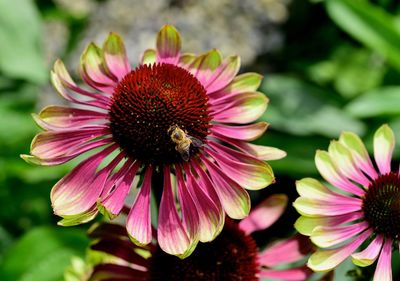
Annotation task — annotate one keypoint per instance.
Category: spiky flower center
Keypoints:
(151, 104)
(231, 256)
(381, 204)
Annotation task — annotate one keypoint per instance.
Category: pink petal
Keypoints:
(190, 216)
(79, 190)
(265, 214)
(286, 251)
(171, 234)
(293, 274)
(211, 215)
(244, 108)
(223, 75)
(319, 208)
(383, 270)
(369, 255)
(328, 236)
(324, 260)
(52, 144)
(138, 222)
(112, 204)
(330, 173)
(235, 200)
(245, 132)
(247, 171)
(115, 56)
(60, 117)
(168, 45)
(60, 159)
(203, 67)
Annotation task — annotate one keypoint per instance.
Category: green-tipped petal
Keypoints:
(305, 225)
(149, 57)
(246, 82)
(79, 218)
(384, 142)
(168, 42)
(115, 55)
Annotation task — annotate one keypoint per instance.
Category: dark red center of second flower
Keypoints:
(381, 205)
(149, 103)
(232, 256)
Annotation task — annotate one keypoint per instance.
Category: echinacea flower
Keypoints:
(361, 205)
(233, 255)
(178, 122)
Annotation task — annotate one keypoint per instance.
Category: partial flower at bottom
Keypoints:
(178, 125)
(232, 256)
(361, 206)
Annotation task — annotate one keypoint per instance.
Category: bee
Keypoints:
(183, 141)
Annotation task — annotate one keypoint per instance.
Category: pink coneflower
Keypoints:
(232, 256)
(361, 206)
(178, 122)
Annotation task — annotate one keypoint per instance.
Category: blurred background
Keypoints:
(329, 66)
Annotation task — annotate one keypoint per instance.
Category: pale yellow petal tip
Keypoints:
(106, 213)
(30, 159)
(361, 262)
(137, 242)
(301, 227)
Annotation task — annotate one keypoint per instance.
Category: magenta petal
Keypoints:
(138, 222)
(113, 203)
(52, 144)
(244, 132)
(233, 197)
(383, 270)
(286, 251)
(171, 234)
(293, 274)
(78, 191)
(369, 254)
(168, 45)
(265, 214)
(211, 215)
(190, 216)
(115, 56)
(223, 75)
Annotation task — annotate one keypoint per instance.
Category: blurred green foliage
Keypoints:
(339, 70)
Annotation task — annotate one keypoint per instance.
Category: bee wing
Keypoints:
(196, 142)
(185, 155)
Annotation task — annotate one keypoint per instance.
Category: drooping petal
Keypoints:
(112, 204)
(171, 234)
(265, 214)
(234, 198)
(60, 117)
(190, 215)
(383, 148)
(138, 223)
(369, 254)
(292, 274)
(115, 56)
(211, 216)
(383, 270)
(285, 251)
(343, 160)
(331, 174)
(328, 236)
(83, 217)
(168, 45)
(305, 225)
(244, 108)
(359, 153)
(79, 190)
(325, 260)
(244, 132)
(247, 171)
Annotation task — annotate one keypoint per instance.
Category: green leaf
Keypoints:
(382, 101)
(43, 254)
(303, 109)
(370, 25)
(20, 53)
